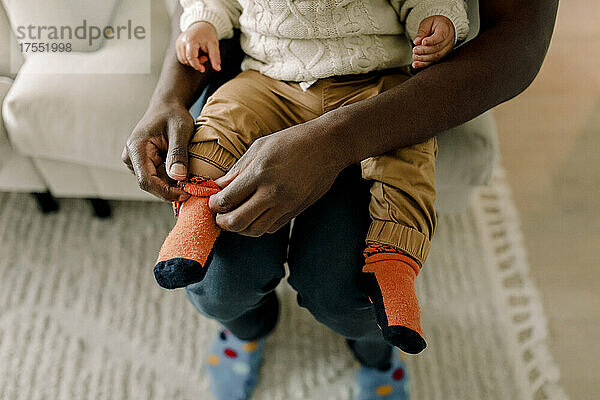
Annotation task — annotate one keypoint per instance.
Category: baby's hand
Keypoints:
(201, 36)
(434, 40)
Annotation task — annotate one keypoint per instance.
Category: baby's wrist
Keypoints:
(201, 25)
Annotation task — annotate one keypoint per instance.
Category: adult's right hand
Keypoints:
(156, 151)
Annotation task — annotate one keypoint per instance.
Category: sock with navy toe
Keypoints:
(233, 366)
(186, 251)
(390, 284)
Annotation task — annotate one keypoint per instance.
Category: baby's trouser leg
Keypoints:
(403, 222)
(244, 109)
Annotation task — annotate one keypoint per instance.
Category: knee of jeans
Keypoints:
(351, 316)
(221, 305)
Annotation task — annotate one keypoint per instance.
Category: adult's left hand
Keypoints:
(276, 179)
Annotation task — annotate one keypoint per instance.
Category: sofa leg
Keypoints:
(46, 202)
(101, 208)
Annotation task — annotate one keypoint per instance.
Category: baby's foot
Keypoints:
(390, 284)
(391, 384)
(233, 366)
(186, 251)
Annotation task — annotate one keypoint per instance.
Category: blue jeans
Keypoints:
(324, 254)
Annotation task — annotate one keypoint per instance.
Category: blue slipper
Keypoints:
(392, 384)
(233, 366)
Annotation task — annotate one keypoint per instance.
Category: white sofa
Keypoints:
(64, 132)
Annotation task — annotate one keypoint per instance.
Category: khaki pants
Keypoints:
(252, 105)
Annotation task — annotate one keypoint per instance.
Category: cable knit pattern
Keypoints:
(313, 39)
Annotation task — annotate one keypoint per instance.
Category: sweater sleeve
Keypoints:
(224, 15)
(413, 12)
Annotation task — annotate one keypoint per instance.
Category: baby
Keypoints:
(303, 59)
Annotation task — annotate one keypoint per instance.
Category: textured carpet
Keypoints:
(81, 317)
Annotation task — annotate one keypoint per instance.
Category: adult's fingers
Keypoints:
(245, 216)
(214, 54)
(262, 224)
(288, 216)
(228, 177)
(147, 173)
(280, 223)
(269, 221)
(158, 187)
(179, 132)
(174, 191)
(241, 187)
(126, 160)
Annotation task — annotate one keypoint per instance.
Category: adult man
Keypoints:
(264, 190)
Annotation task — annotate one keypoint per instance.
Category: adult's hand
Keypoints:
(156, 151)
(282, 174)
(276, 179)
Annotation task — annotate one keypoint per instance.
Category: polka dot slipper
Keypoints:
(233, 366)
(392, 384)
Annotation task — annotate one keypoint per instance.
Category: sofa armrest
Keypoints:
(10, 57)
(467, 154)
(466, 160)
(63, 116)
(474, 19)
(5, 84)
(171, 6)
(17, 172)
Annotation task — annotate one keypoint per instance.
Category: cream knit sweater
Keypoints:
(304, 40)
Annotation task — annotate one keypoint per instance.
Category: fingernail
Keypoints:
(178, 169)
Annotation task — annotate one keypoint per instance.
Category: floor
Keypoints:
(82, 318)
(550, 141)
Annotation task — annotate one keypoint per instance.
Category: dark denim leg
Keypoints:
(325, 259)
(238, 289)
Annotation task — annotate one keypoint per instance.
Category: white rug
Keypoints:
(81, 316)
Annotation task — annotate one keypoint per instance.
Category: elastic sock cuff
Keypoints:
(375, 253)
(201, 187)
(196, 186)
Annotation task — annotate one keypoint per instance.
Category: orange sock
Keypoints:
(390, 285)
(186, 251)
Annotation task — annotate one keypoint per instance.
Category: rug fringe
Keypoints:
(517, 299)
